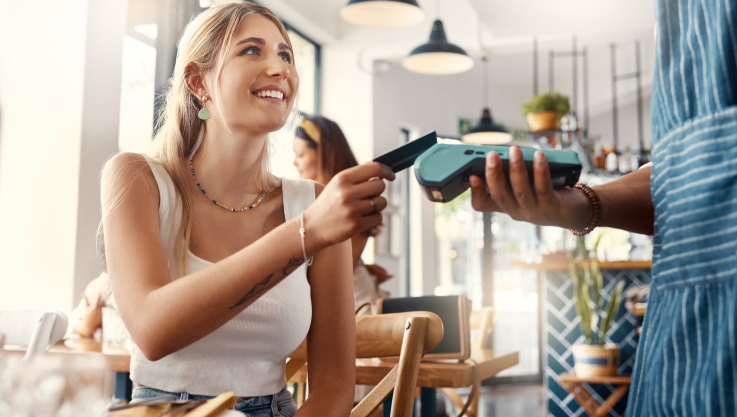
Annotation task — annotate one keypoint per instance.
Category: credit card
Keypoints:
(404, 156)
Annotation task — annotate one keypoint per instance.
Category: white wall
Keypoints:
(49, 103)
(347, 97)
(628, 136)
(437, 102)
(106, 24)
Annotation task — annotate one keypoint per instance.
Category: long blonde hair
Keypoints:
(204, 43)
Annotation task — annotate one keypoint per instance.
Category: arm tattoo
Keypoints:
(267, 283)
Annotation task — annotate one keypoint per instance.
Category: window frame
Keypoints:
(318, 67)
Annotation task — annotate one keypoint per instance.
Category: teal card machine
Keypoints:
(444, 169)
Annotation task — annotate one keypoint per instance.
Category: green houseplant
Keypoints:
(594, 357)
(543, 111)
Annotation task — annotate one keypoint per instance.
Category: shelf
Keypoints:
(563, 265)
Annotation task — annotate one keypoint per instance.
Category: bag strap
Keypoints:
(367, 303)
(474, 388)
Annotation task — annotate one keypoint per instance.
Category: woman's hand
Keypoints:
(345, 208)
(381, 274)
(91, 317)
(542, 205)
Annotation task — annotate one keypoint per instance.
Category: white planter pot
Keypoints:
(596, 360)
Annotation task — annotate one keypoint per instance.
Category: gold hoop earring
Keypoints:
(204, 114)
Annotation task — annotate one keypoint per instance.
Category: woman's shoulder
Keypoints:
(127, 171)
(127, 165)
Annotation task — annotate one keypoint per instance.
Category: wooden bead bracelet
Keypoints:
(596, 210)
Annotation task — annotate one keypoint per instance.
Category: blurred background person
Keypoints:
(86, 318)
(321, 151)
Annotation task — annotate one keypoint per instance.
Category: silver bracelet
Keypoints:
(302, 234)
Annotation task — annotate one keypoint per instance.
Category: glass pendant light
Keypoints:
(487, 132)
(382, 13)
(438, 56)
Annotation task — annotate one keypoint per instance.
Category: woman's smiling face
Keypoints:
(258, 83)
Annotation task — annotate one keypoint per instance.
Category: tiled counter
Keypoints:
(561, 329)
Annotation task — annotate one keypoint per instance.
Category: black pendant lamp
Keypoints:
(486, 132)
(438, 56)
(382, 13)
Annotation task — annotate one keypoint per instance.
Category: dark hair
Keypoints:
(333, 152)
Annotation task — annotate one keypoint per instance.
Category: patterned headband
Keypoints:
(310, 129)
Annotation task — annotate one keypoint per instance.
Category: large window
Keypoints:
(473, 256)
(137, 90)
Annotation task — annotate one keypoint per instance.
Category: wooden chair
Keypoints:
(37, 329)
(484, 320)
(405, 335)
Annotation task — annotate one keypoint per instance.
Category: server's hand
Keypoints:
(541, 205)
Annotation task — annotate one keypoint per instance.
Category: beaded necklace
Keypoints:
(191, 167)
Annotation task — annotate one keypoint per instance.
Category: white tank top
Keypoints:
(248, 353)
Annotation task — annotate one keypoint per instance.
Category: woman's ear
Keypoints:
(195, 80)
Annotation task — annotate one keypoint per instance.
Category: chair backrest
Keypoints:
(407, 335)
(452, 309)
(37, 329)
(484, 321)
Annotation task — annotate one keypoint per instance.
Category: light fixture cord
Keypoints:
(486, 82)
(437, 9)
(483, 66)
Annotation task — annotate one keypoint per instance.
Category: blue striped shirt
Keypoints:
(686, 362)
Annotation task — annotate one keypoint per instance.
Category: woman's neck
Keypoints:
(228, 165)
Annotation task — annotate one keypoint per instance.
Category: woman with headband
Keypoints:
(321, 151)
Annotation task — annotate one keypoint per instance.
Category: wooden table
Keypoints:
(563, 265)
(574, 385)
(118, 361)
(434, 375)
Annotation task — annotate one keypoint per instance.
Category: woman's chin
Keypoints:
(261, 127)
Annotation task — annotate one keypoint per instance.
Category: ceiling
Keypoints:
(504, 18)
(504, 21)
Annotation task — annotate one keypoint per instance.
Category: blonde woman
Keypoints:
(208, 253)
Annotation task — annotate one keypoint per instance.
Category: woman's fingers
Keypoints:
(480, 198)
(497, 183)
(367, 222)
(543, 183)
(367, 189)
(365, 207)
(520, 180)
(365, 172)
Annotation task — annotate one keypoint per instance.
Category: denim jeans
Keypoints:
(277, 405)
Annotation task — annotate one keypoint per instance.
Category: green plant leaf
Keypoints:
(547, 102)
(586, 301)
(598, 280)
(582, 309)
(611, 310)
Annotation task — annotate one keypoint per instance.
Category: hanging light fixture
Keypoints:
(438, 56)
(487, 132)
(382, 13)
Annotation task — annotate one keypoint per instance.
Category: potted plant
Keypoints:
(545, 110)
(594, 357)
